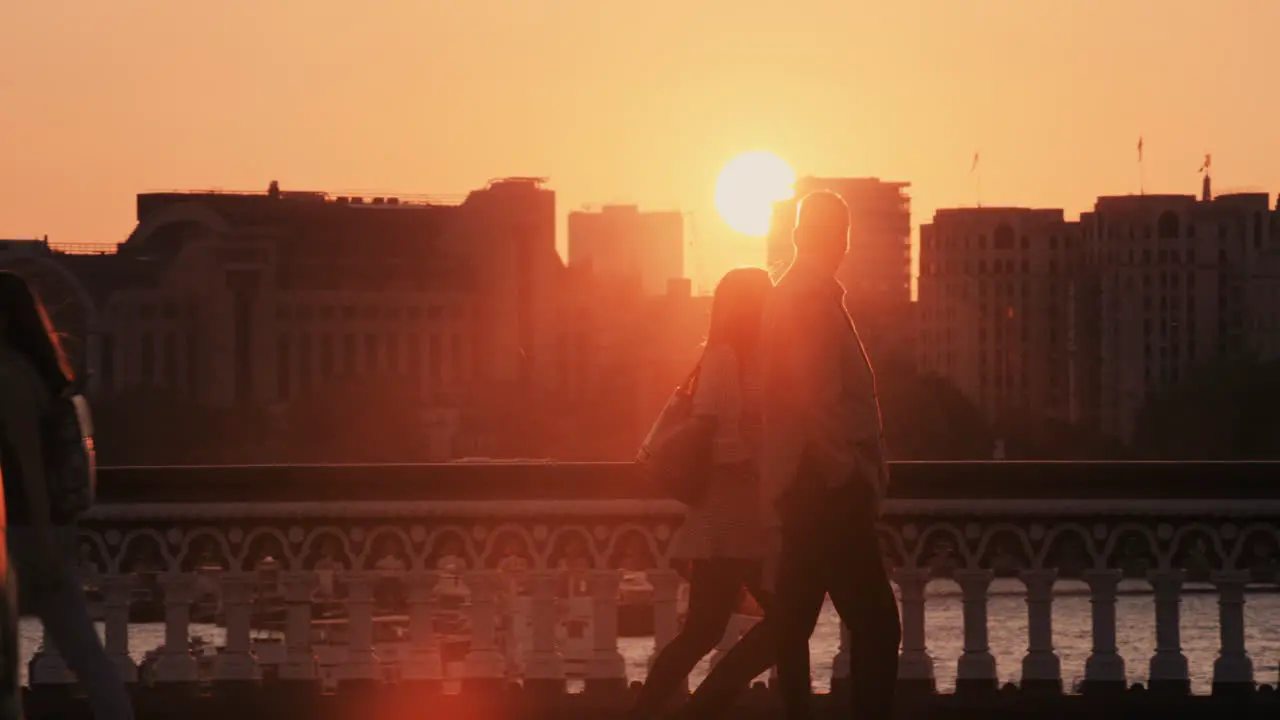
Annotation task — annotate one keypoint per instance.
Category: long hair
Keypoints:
(737, 310)
(26, 329)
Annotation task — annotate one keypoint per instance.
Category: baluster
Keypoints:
(544, 673)
(976, 670)
(606, 670)
(485, 666)
(1168, 664)
(915, 665)
(300, 663)
(666, 616)
(1233, 670)
(424, 667)
(840, 663)
(513, 613)
(236, 663)
(1104, 670)
(176, 664)
(47, 665)
(117, 592)
(361, 664)
(1041, 668)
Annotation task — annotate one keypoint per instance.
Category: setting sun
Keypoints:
(747, 188)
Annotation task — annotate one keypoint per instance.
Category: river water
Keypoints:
(1008, 633)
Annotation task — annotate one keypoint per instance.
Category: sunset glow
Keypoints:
(747, 188)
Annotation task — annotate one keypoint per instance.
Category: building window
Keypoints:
(107, 363)
(304, 364)
(170, 361)
(148, 364)
(370, 353)
(458, 357)
(392, 360)
(350, 354)
(326, 356)
(193, 365)
(1167, 226)
(284, 371)
(435, 357)
(415, 357)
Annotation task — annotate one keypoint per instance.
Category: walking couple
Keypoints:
(787, 397)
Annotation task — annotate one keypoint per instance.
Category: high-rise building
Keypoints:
(1081, 321)
(995, 308)
(1181, 283)
(877, 272)
(622, 244)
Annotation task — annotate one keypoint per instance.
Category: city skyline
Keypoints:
(662, 106)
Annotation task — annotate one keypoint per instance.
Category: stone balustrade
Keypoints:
(464, 578)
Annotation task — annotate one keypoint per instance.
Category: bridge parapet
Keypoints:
(463, 578)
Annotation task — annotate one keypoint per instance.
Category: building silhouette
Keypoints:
(994, 308)
(623, 244)
(1181, 283)
(1033, 316)
(463, 306)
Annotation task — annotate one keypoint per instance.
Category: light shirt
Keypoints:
(819, 392)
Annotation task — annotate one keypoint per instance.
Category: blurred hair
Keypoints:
(738, 308)
(26, 329)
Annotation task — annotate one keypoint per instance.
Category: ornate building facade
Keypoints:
(1081, 321)
(271, 300)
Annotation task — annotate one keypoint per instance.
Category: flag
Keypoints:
(974, 166)
(1139, 148)
(1208, 159)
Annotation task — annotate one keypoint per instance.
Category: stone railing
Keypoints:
(467, 577)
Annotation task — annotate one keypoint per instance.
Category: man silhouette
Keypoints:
(823, 471)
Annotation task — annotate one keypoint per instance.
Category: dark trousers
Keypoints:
(63, 610)
(829, 547)
(715, 589)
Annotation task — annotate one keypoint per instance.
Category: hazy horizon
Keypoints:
(633, 104)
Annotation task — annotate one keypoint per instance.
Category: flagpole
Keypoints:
(1142, 170)
(976, 172)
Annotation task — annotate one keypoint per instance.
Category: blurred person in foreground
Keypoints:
(721, 534)
(10, 689)
(823, 473)
(34, 376)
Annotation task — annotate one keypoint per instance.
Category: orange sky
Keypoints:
(622, 101)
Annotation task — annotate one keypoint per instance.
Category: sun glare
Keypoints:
(747, 188)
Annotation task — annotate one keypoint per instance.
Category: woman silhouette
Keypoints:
(720, 536)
